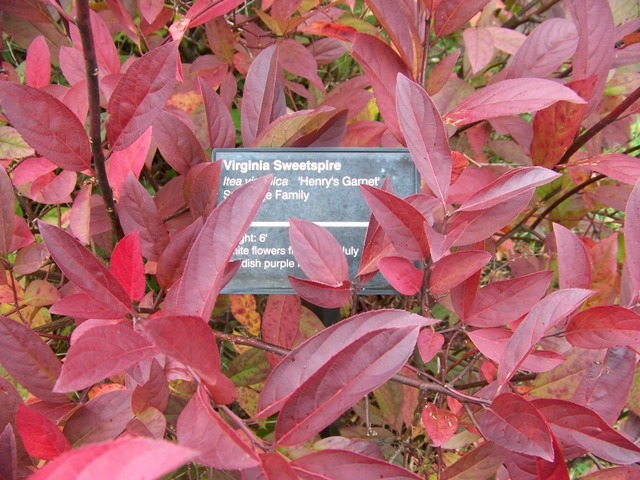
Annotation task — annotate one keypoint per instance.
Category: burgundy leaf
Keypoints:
(190, 341)
(100, 352)
(327, 50)
(7, 208)
(523, 467)
(604, 327)
(128, 160)
(401, 274)
(449, 15)
(321, 294)
(429, 344)
(127, 267)
(510, 97)
(220, 127)
(440, 424)
(546, 313)
(480, 463)
(381, 66)
(503, 302)
(176, 142)
(574, 424)
(137, 457)
(138, 211)
(281, 384)
(441, 72)
(632, 236)
(515, 424)
(29, 360)
(621, 167)
(296, 59)
(507, 187)
(8, 454)
(84, 269)
(425, 135)
(452, 270)
(174, 257)
(153, 393)
(47, 125)
(318, 253)
(401, 221)
(217, 445)
(141, 95)
(37, 70)
(259, 107)
(573, 260)
(347, 465)
(195, 293)
(201, 188)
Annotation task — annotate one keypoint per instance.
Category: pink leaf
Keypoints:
(508, 186)
(177, 143)
(85, 270)
(106, 51)
(321, 294)
(425, 135)
(7, 209)
(8, 454)
(141, 95)
(402, 222)
(190, 341)
(547, 312)
(604, 327)
(632, 236)
(150, 9)
(281, 320)
(577, 425)
(259, 107)
(481, 462)
(203, 10)
(220, 127)
(100, 352)
(616, 473)
(510, 97)
(621, 167)
(273, 466)
(516, 425)
(429, 344)
(202, 429)
(38, 65)
(452, 270)
(126, 265)
(296, 59)
(47, 125)
(29, 360)
(83, 306)
(479, 47)
(401, 274)
(140, 458)
(440, 424)
(318, 253)
(80, 215)
(196, 292)
(128, 160)
(503, 302)
(347, 465)
(573, 260)
(41, 437)
(441, 72)
(449, 15)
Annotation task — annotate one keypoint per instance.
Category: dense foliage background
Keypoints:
(511, 350)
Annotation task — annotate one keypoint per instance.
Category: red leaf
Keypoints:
(138, 211)
(201, 188)
(441, 72)
(203, 10)
(41, 437)
(37, 68)
(150, 9)
(516, 425)
(347, 465)
(573, 260)
(333, 30)
(202, 429)
(524, 467)
(281, 320)
(632, 236)
(273, 466)
(616, 473)
(425, 135)
(83, 306)
(140, 458)
(440, 424)
(174, 257)
(85, 270)
(195, 293)
(449, 15)
(29, 360)
(452, 270)
(503, 302)
(381, 66)
(318, 253)
(100, 352)
(190, 341)
(507, 187)
(401, 221)
(296, 59)
(321, 294)
(7, 209)
(621, 167)
(429, 344)
(401, 274)
(480, 463)
(510, 97)
(126, 265)
(106, 51)
(220, 127)
(604, 327)
(176, 142)
(128, 160)
(259, 107)
(47, 125)
(547, 312)
(577, 425)
(141, 95)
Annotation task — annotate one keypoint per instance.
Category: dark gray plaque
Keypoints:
(319, 185)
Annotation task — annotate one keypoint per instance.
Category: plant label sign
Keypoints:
(318, 185)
